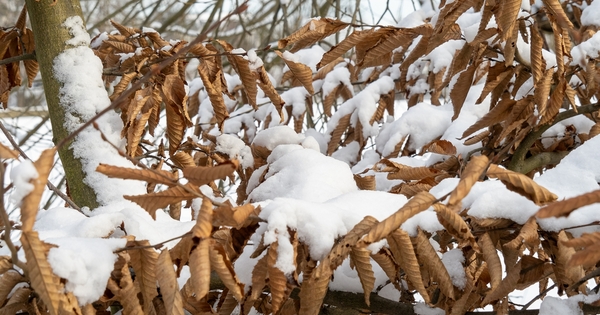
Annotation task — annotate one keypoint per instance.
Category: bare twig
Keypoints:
(48, 184)
(155, 70)
(7, 224)
(17, 58)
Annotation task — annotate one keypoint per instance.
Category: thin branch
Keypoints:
(154, 71)
(155, 246)
(22, 57)
(48, 184)
(7, 224)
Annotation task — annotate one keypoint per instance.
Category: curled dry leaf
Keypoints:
(167, 280)
(458, 227)
(527, 235)
(521, 184)
(45, 283)
(418, 203)
(147, 175)
(200, 264)
(8, 153)
(490, 256)
(204, 221)
(301, 72)
(127, 292)
(30, 205)
(8, 281)
(468, 178)
(154, 201)
(585, 240)
(143, 261)
(234, 216)
(202, 175)
(277, 279)
(428, 256)
(220, 263)
(361, 257)
(506, 286)
(402, 248)
(312, 32)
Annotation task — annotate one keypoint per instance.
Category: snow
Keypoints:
(235, 148)
(570, 306)
(424, 309)
(590, 16)
(453, 261)
(253, 60)
(588, 49)
(21, 176)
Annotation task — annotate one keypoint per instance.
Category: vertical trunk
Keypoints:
(50, 37)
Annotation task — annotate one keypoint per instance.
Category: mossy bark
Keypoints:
(50, 36)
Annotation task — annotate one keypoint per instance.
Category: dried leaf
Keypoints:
(128, 293)
(469, 177)
(169, 288)
(301, 72)
(220, 263)
(204, 226)
(565, 207)
(277, 279)
(459, 228)
(8, 281)
(538, 63)
(521, 184)
(555, 8)
(585, 240)
(494, 116)
(361, 257)
(507, 285)
(248, 77)
(200, 264)
(312, 32)
(233, 216)
(214, 90)
(458, 95)
(528, 234)
(555, 103)
(156, 200)
(346, 44)
(8, 153)
(201, 175)
(30, 204)
(147, 175)
(143, 262)
(429, 257)
(507, 20)
(418, 203)
(45, 283)
(490, 256)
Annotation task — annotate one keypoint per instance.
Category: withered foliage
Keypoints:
(510, 134)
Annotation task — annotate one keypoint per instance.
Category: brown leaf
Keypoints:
(266, 85)
(8, 153)
(176, 127)
(214, 89)
(45, 283)
(201, 175)
(444, 147)
(418, 203)
(490, 256)
(556, 9)
(312, 32)
(458, 95)
(565, 207)
(528, 234)
(429, 257)
(301, 72)
(169, 288)
(143, 262)
(538, 63)
(147, 175)
(459, 228)
(521, 184)
(220, 263)
(200, 268)
(234, 216)
(183, 159)
(154, 201)
(277, 279)
(494, 116)
(127, 292)
(31, 202)
(248, 77)
(555, 103)
(204, 226)
(361, 257)
(469, 177)
(336, 134)
(507, 285)
(340, 49)
(8, 281)
(413, 173)
(509, 11)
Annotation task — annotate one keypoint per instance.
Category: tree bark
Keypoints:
(50, 36)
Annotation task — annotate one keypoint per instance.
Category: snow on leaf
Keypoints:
(300, 71)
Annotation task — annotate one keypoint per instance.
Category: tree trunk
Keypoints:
(50, 37)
